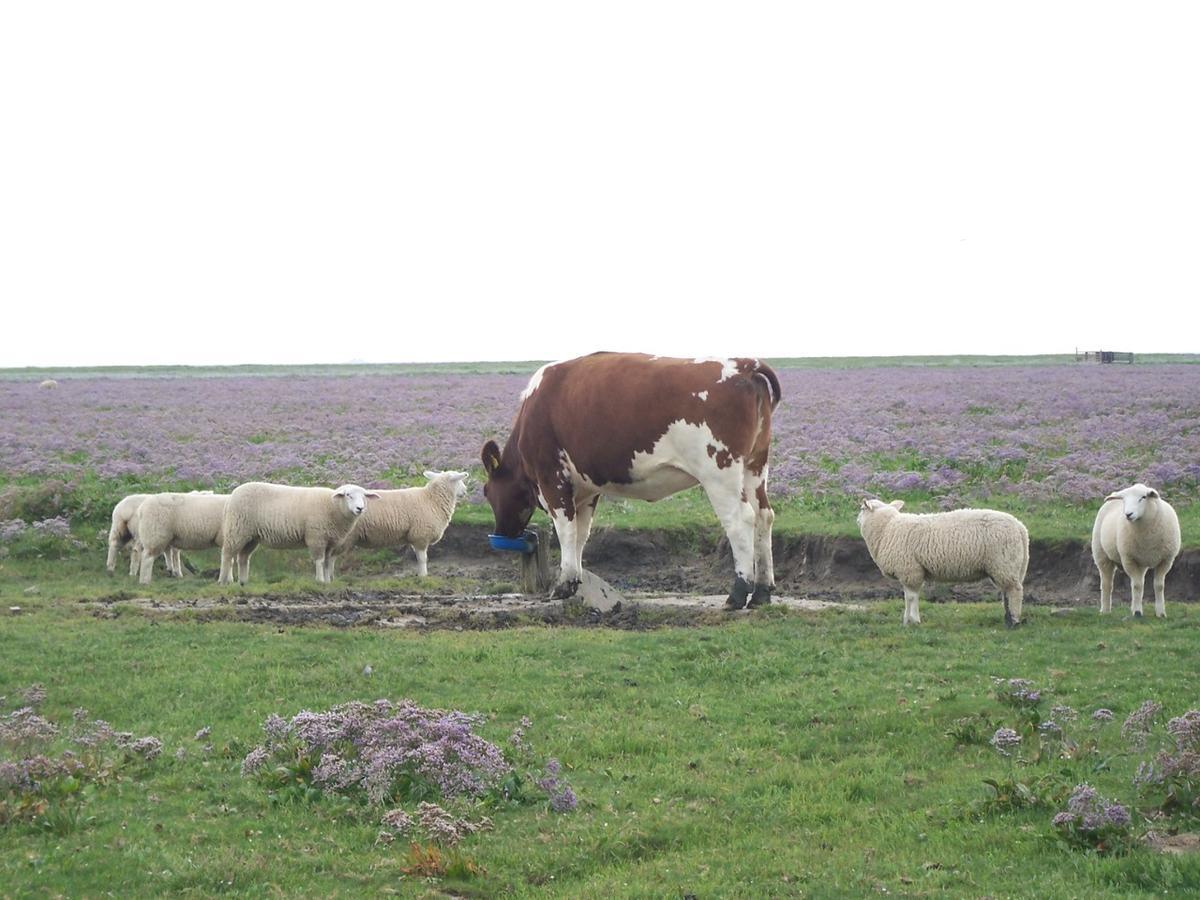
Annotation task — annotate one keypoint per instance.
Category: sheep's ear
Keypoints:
(491, 457)
(866, 503)
(339, 493)
(899, 504)
(1113, 497)
(1152, 493)
(374, 495)
(430, 474)
(459, 476)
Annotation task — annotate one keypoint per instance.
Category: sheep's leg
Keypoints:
(912, 612)
(1107, 570)
(1137, 586)
(1014, 599)
(115, 544)
(422, 554)
(135, 560)
(1160, 589)
(176, 561)
(146, 566)
(228, 554)
(317, 553)
(243, 561)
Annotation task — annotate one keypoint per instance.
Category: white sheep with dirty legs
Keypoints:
(415, 517)
(289, 518)
(1137, 530)
(174, 522)
(958, 546)
(123, 533)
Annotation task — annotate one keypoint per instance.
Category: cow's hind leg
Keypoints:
(755, 487)
(737, 517)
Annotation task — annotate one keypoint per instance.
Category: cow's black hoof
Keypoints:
(564, 589)
(737, 597)
(760, 597)
(1138, 614)
(1009, 621)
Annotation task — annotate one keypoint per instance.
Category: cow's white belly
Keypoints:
(686, 455)
(660, 482)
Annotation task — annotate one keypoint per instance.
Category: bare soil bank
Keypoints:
(1061, 573)
(669, 579)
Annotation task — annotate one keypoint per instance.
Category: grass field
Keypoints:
(783, 754)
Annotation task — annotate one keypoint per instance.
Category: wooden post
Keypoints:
(535, 566)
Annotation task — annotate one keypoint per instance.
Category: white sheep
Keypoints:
(962, 545)
(123, 531)
(416, 517)
(174, 522)
(286, 517)
(48, 385)
(1138, 530)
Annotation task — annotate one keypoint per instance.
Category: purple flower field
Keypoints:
(1046, 435)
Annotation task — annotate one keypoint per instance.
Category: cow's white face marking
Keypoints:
(535, 380)
(728, 366)
(703, 395)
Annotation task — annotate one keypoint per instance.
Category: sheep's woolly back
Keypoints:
(184, 521)
(417, 516)
(963, 545)
(1150, 541)
(286, 517)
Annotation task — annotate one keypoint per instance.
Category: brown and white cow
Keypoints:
(632, 425)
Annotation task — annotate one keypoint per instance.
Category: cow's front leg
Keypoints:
(570, 573)
(559, 501)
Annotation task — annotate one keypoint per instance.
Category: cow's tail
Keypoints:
(767, 374)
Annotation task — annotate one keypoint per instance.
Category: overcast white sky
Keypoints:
(235, 182)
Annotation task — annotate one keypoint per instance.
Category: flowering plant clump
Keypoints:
(384, 751)
(1016, 692)
(1093, 823)
(47, 770)
(45, 537)
(1174, 773)
(1140, 723)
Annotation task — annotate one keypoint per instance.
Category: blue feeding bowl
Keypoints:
(526, 543)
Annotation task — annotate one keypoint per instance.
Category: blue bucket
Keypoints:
(526, 543)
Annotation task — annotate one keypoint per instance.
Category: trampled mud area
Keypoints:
(666, 579)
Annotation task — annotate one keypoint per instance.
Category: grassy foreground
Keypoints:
(783, 754)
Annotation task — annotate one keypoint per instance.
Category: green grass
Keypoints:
(783, 754)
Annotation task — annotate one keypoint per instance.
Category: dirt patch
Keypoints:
(1174, 843)
(425, 612)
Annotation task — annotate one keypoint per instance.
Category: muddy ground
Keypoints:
(667, 578)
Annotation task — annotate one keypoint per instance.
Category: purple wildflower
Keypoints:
(202, 733)
(1137, 726)
(1004, 740)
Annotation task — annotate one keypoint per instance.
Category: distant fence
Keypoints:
(1102, 356)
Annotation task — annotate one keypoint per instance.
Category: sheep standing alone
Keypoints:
(289, 518)
(1138, 530)
(123, 531)
(174, 522)
(963, 545)
(416, 517)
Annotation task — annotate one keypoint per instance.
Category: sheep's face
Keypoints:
(508, 492)
(1134, 500)
(458, 479)
(872, 507)
(354, 498)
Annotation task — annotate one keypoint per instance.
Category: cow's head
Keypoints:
(508, 491)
